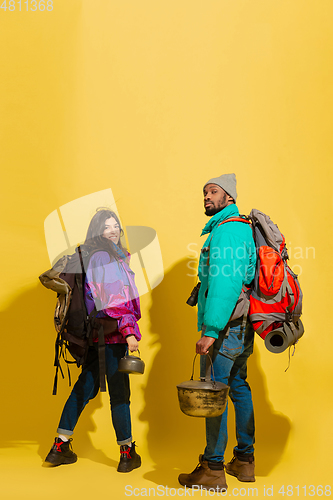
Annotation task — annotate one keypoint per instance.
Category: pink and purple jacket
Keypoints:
(110, 286)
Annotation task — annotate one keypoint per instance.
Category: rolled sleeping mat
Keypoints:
(280, 339)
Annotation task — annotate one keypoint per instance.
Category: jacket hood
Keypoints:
(225, 213)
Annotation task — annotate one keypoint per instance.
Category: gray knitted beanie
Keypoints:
(226, 182)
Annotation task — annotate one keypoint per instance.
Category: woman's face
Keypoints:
(112, 230)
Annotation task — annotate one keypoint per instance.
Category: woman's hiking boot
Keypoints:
(242, 467)
(207, 475)
(129, 459)
(61, 453)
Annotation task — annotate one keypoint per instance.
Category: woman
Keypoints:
(110, 287)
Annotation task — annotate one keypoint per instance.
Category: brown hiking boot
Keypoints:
(206, 475)
(242, 468)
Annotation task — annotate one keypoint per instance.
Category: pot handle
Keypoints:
(128, 354)
(210, 359)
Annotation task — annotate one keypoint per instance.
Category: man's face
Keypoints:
(215, 199)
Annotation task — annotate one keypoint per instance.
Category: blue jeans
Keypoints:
(230, 356)
(87, 387)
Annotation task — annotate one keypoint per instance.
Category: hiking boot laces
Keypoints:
(58, 445)
(126, 453)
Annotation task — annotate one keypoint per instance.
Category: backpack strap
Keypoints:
(291, 295)
(235, 219)
(100, 332)
(101, 358)
(232, 219)
(79, 283)
(246, 220)
(245, 314)
(58, 349)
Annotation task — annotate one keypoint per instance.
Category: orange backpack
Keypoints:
(275, 296)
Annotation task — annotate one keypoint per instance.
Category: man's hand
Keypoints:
(132, 343)
(204, 344)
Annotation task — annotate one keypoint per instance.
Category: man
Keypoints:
(227, 262)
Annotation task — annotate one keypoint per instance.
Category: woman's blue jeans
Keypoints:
(87, 387)
(230, 354)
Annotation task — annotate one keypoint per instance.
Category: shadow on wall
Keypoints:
(31, 411)
(174, 439)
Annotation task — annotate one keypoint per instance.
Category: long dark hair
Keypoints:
(95, 238)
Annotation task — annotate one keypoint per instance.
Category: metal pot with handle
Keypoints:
(204, 397)
(131, 364)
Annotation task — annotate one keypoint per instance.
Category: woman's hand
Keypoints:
(133, 344)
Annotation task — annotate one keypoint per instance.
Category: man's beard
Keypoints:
(212, 210)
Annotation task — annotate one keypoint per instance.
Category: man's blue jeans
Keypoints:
(230, 356)
(87, 387)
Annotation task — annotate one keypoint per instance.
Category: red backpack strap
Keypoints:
(235, 219)
(232, 219)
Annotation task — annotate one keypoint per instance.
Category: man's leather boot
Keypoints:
(129, 459)
(242, 467)
(207, 475)
(61, 453)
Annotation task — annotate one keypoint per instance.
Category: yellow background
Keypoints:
(153, 98)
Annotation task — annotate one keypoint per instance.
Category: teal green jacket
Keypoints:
(232, 262)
